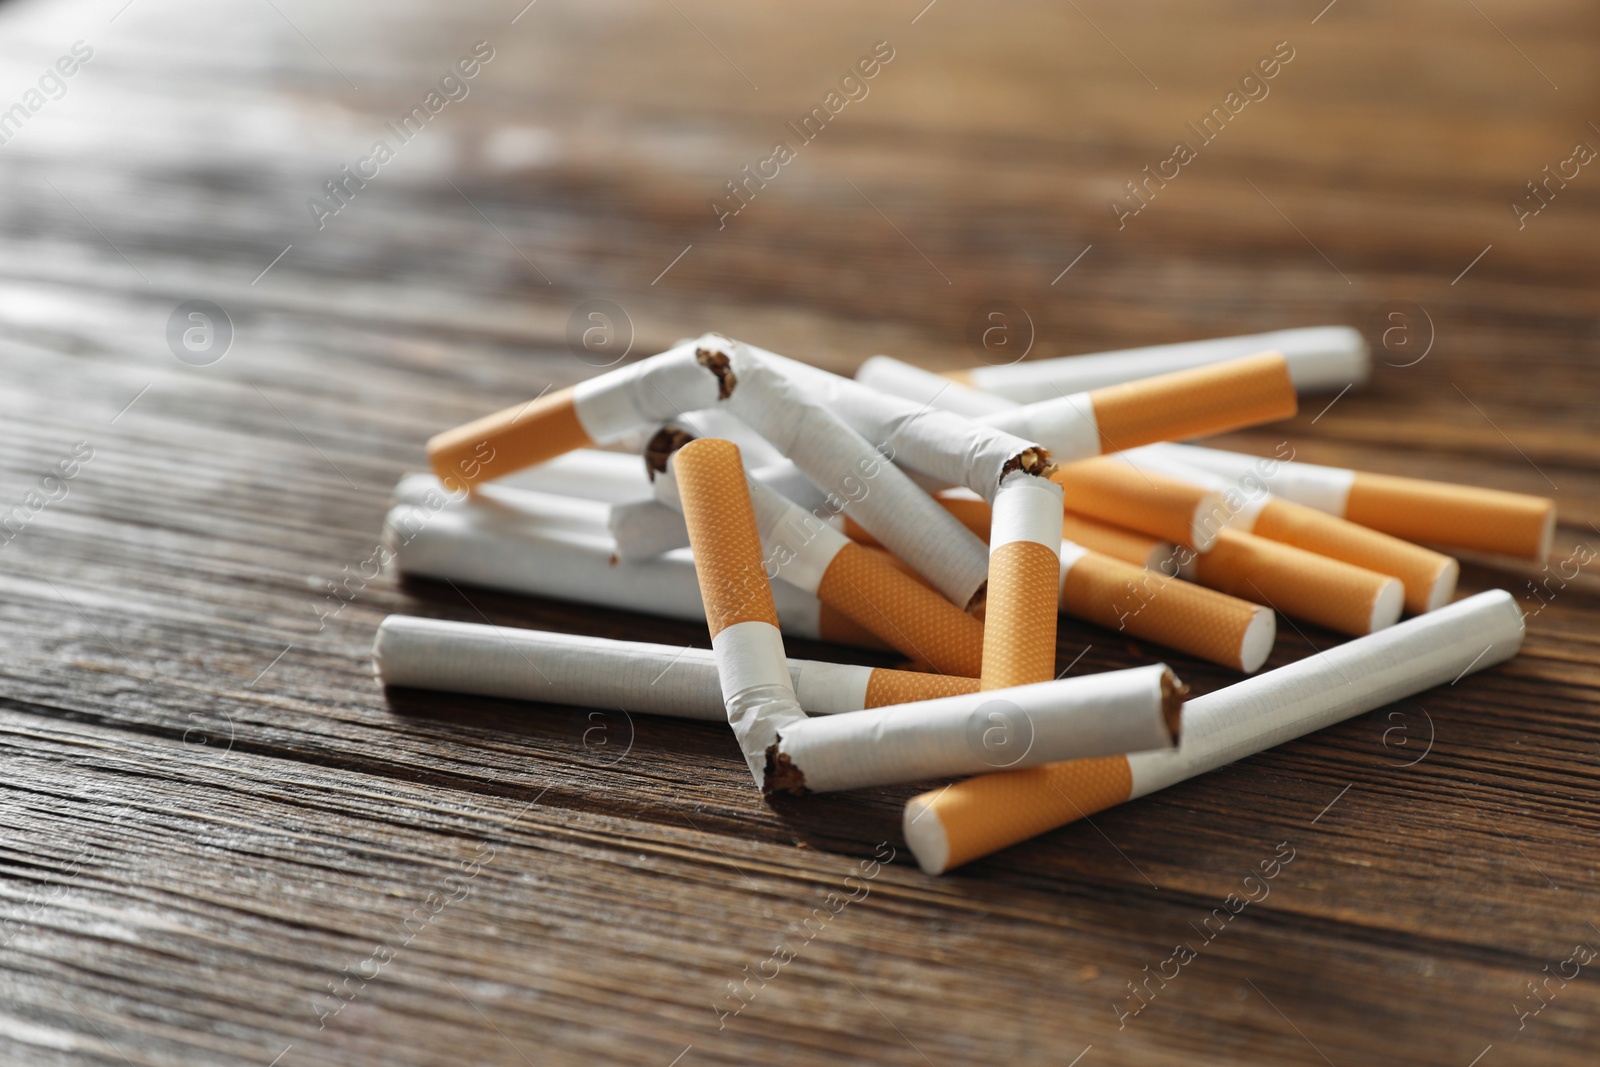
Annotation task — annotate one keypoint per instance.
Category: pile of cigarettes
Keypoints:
(949, 518)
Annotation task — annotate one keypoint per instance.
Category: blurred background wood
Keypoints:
(225, 845)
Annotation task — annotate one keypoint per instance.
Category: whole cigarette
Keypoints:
(1126, 598)
(814, 557)
(982, 815)
(1429, 577)
(840, 461)
(1320, 358)
(1019, 630)
(1301, 584)
(1153, 503)
(600, 409)
(756, 689)
(499, 546)
(1022, 726)
(593, 672)
(1186, 403)
(1416, 509)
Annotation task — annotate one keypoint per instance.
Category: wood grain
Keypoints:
(226, 845)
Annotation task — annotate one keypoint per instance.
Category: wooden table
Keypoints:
(223, 844)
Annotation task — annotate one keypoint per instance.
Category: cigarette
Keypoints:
(814, 557)
(946, 449)
(1019, 629)
(1104, 538)
(1429, 577)
(839, 460)
(1148, 501)
(1303, 585)
(588, 474)
(929, 389)
(1320, 358)
(948, 828)
(1186, 403)
(507, 546)
(1416, 509)
(634, 676)
(1022, 726)
(751, 667)
(600, 409)
(1126, 598)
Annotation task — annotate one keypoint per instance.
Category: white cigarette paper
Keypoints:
(503, 547)
(591, 672)
(1339, 682)
(585, 473)
(1320, 358)
(1022, 726)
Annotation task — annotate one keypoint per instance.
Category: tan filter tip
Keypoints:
(722, 533)
(508, 440)
(949, 827)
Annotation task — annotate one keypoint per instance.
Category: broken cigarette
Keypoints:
(593, 672)
(1019, 629)
(1187, 403)
(808, 553)
(512, 546)
(1416, 509)
(1150, 502)
(1023, 726)
(1126, 598)
(751, 667)
(1320, 358)
(948, 828)
(1301, 584)
(1429, 577)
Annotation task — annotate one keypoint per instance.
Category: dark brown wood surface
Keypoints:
(224, 844)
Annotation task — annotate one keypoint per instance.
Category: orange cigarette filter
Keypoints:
(1125, 597)
(727, 546)
(863, 585)
(985, 814)
(508, 440)
(1193, 403)
(1019, 640)
(1429, 577)
(1303, 585)
(1464, 516)
(886, 688)
(1141, 550)
(1111, 491)
(837, 628)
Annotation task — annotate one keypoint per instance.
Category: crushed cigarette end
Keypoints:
(719, 364)
(663, 444)
(1173, 693)
(1035, 461)
(781, 775)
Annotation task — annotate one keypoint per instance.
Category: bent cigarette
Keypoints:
(1320, 358)
(754, 674)
(982, 815)
(839, 460)
(588, 474)
(910, 382)
(1429, 577)
(599, 409)
(634, 676)
(1187, 403)
(1301, 584)
(1023, 726)
(1125, 597)
(1149, 501)
(810, 554)
(1416, 509)
(1019, 629)
(500, 546)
